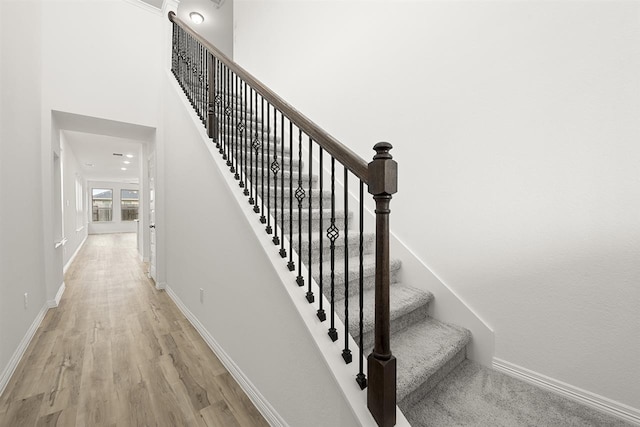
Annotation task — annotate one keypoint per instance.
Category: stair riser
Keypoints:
(368, 248)
(305, 181)
(368, 281)
(248, 139)
(395, 326)
(315, 225)
(424, 389)
(268, 161)
(315, 201)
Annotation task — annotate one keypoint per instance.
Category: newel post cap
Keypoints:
(383, 171)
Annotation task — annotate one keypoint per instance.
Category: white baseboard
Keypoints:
(68, 264)
(265, 408)
(161, 285)
(579, 395)
(55, 302)
(8, 371)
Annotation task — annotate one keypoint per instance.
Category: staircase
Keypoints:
(261, 138)
(426, 349)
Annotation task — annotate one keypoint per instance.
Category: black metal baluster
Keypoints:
(321, 313)
(333, 234)
(219, 106)
(275, 168)
(252, 178)
(268, 228)
(361, 379)
(232, 126)
(300, 198)
(246, 139)
(283, 251)
(239, 131)
(291, 265)
(263, 219)
(256, 147)
(310, 296)
(346, 353)
(227, 112)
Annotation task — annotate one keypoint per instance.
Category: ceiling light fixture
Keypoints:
(196, 17)
(124, 169)
(130, 156)
(126, 162)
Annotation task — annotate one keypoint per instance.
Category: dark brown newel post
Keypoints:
(381, 396)
(212, 121)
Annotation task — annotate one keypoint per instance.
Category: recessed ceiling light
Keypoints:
(126, 162)
(124, 169)
(90, 164)
(130, 156)
(196, 18)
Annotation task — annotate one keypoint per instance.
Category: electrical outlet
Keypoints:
(201, 295)
(26, 300)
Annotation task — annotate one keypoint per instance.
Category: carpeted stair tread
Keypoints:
(474, 395)
(404, 300)
(422, 349)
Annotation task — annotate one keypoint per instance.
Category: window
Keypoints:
(129, 204)
(102, 204)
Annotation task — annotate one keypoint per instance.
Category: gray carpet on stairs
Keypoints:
(476, 396)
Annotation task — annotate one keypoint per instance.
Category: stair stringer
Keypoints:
(330, 352)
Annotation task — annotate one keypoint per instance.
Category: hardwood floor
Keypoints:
(117, 352)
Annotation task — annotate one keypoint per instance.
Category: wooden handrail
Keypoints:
(356, 164)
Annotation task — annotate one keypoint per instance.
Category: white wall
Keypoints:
(101, 59)
(116, 225)
(217, 27)
(74, 205)
(210, 245)
(519, 121)
(21, 260)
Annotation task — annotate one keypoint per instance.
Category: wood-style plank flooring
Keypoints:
(117, 352)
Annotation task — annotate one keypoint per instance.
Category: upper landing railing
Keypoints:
(262, 138)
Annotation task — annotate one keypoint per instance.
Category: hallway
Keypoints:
(117, 352)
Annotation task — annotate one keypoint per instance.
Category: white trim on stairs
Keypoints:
(265, 408)
(5, 376)
(579, 395)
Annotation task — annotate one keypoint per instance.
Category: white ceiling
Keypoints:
(97, 150)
